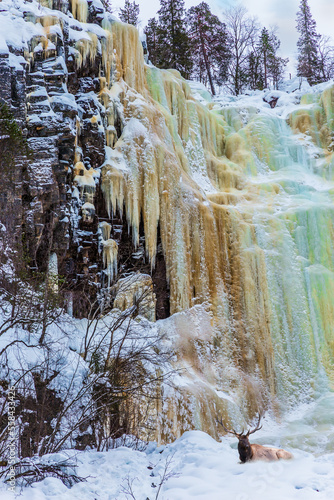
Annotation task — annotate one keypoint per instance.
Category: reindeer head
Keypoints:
(244, 446)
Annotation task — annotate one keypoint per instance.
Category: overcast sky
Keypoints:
(270, 12)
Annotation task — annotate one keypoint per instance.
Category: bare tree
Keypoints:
(111, 384)
(166, 473)
(326, 57)
(243, 32)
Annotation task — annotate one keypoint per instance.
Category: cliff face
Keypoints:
(228, 209)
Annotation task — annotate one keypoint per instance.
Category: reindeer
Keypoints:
(250, 452)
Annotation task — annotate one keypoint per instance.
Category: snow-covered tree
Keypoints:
(151, 32)
(130, 13)
(210, 50)
(308, 42)
(174, 44)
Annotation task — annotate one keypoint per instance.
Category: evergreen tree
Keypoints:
(173, 41)
(267, 52)
(130, 13)
(151, 32)
(12, 141)
(277, 69)
(208, 36)
(272, 66)
(308, 62)
(255, 73)
(107, 5)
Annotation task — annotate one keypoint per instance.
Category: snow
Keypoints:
(199, 468)
(76, 35)
(16, 32)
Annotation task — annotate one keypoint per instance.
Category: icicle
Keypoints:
(69, 303)
(84, 180)
(107, 55)
(87, 50)
(46, 3)
(80, 10)
(88, 212)
(105, 230)
(47, 21)
(110, 252)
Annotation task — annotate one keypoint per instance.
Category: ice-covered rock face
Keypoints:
(235, 196)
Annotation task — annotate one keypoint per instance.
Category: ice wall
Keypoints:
(244, 198)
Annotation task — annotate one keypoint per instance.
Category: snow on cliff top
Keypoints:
(16, 31)
(288, 97)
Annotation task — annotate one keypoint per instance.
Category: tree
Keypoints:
(267, 51)
(209, 44)
(14, 156)
(265, 65)
(130, 13)
(308, 42)
(277, 69)
(255, 73)
(173, 40)
(151, 32)
(326, 58)
(12, 142)
(243, 33)
(107, 5)
(89, 394)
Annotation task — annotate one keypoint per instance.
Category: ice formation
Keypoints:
(110, 251)
(243, 197)
(136, 290)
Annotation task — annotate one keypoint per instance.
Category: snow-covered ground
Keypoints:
(200, 468)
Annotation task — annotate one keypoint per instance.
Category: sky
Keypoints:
(269, 12)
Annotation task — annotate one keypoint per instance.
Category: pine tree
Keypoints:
(151, 32)
(107, 5)
(272, 66)
(12, 141)
(130, 13)
(255, 72)
(209, 45)
(267, 51)
(173, 41)
(308, 62)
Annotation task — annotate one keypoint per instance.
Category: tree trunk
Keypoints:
(265, 70)
(207, 65)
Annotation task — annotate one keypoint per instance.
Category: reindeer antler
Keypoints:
(257, 428)
(220, 422)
